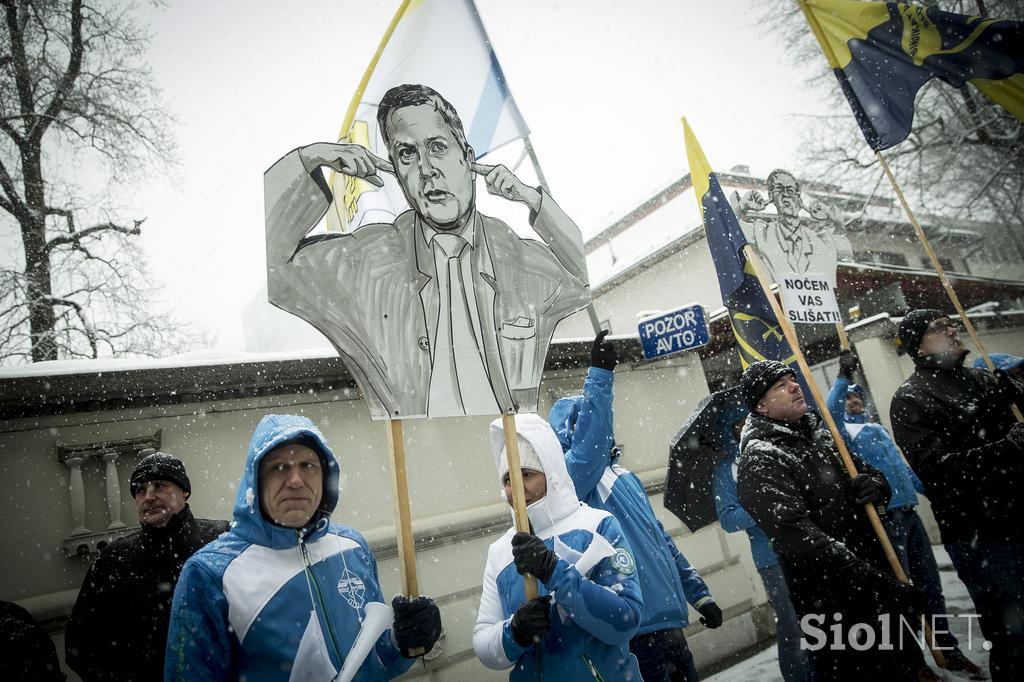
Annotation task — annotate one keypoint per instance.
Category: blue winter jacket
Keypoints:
(584, 428)
(874, 445)
(266, 603)
(731, 514)
(596, 602)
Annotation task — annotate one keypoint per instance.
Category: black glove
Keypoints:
(710, 615)
(848, 363)
(417, 624)
(531, 556)
(863, 489)
(909, 601)
(603, 354)
(1016, 435)
(531, 621)
(1006, 388)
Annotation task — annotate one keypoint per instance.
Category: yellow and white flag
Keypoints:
(441, 44)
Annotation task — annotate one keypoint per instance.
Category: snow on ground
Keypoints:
(764, 666)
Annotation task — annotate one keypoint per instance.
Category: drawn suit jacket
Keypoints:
(371, 292)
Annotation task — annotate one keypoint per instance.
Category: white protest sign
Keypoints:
(810, 298)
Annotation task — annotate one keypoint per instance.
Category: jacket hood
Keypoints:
(1003, 361)
(274, 431)
(730, 413)
(861, 418)
(561, 499)
(562, 418)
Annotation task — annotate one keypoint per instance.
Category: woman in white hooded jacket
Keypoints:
(590, 603)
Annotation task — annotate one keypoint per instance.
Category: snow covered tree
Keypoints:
(79, 119)
(964, 157)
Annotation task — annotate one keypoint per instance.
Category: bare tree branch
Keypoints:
(77, 237)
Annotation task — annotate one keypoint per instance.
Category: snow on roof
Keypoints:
(199, 358)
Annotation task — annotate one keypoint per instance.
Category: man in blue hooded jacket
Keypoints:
(667, 580)
(282, 595)
(873, 444)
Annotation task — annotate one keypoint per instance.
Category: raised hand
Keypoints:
(348, 159)
(501, 182)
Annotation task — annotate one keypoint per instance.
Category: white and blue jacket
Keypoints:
(266, 603)
(873, 444)
(583, 425)
(596, 594)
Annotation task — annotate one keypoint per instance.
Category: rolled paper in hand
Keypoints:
(376, 620)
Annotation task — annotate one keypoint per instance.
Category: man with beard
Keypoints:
(956, 425)
(792, 481)
(118, 628)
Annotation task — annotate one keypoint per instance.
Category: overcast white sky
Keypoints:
(601, 83)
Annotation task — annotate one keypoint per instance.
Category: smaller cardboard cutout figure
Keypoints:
(445, 311)
(800, 245)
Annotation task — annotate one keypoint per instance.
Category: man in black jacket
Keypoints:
(118, 628)
(793, 483)
(956, 426)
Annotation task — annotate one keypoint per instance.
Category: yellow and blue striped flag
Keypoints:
(882, 53)
(441, 44)
(757, 330)
(739, 286)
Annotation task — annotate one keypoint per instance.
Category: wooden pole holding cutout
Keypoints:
(403, 517)
(941, 273)
(515, 479)
(794, 344)
(844, 340)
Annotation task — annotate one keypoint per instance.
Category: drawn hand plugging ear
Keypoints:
(358, 161)
(501, 182)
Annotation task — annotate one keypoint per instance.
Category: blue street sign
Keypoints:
(667, 333)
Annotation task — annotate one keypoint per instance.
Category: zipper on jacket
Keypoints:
(593, 668)
(319, 599)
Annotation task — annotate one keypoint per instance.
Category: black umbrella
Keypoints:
(693, 454)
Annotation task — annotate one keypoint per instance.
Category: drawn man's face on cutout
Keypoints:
(432, 168)
(785, 194)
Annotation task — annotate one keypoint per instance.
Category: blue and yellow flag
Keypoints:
(757, 331)
(739, 286)
(882, 53)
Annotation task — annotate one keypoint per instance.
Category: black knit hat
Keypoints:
(159, 466)
(913, 327)
(758, 377)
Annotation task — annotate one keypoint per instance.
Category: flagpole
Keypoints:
(541, 180)
(794, 344)
(515, 479)
(844, 340)
(941, 273)
(403, 515)
(595, 321)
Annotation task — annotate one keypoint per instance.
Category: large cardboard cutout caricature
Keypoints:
(446, 311)
(800, 245)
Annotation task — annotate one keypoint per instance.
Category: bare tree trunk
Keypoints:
(42, 319)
